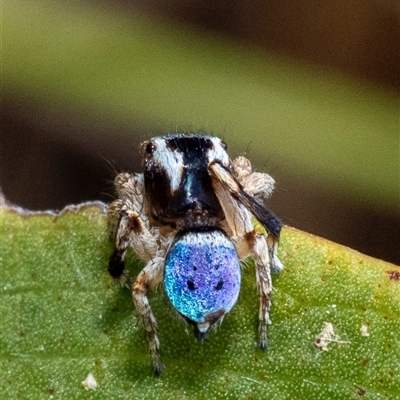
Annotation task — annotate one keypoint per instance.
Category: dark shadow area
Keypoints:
(38, 172)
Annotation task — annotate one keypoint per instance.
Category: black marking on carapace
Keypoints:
(194, 202)
(189, 144)
(150, 147)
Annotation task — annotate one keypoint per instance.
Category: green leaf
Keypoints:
(63, 317)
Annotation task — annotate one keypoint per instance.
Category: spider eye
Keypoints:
(224, 145)
(150, 147)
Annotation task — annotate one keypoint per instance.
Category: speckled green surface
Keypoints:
(62, 316)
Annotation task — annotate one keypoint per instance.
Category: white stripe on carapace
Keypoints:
(170, 161)
(218, 153)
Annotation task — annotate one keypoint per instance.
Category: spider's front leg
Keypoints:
(239, 206)
(254, 244)
(148, 278)
(123, 223)
(260, 185)
(129, 227)
(259, 248)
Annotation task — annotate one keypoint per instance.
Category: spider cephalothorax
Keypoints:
(189, 216)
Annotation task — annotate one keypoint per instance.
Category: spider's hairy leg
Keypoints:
(238, 208)
(126, 224)
(260, 185)
(130, 195)
(257, 184)
(229, 188)
(129, 227)
(264, 284)
(130, 187)
(148, 278)
(115, 221)
(254, 244)
(132, 232)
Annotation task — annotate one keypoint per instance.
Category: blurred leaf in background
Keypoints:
(89, 79)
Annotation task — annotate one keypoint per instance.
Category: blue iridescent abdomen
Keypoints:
(202, 274)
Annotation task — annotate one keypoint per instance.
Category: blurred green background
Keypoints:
(310, 92)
